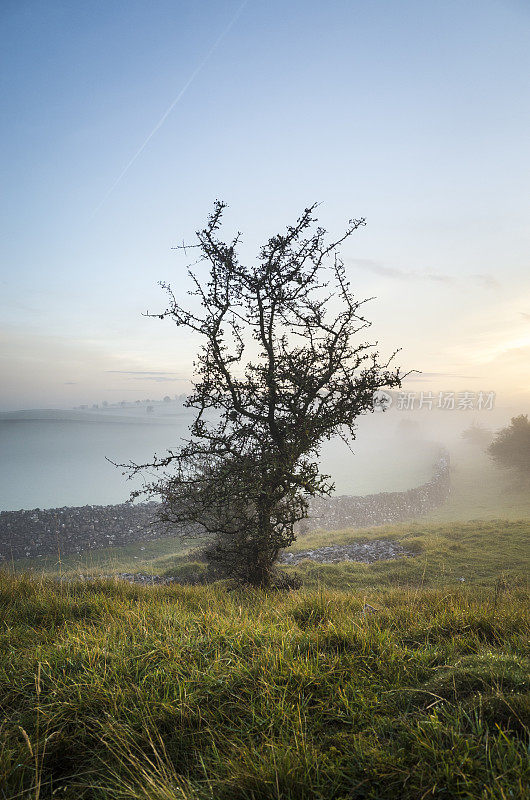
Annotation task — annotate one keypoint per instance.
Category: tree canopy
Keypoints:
(281, 369)
(511, 445)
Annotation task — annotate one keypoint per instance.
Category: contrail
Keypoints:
(170, 108)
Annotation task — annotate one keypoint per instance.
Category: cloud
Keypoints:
(142, 375)
(524, 314)
(399, 274)
(427, 376)
(70, 383)
(486, 281)
(138, 372)
(161, 379)
(483, 279)
(519, 355)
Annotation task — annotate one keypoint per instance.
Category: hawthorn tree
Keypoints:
(280, 370)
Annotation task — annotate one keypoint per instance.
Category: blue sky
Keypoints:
(414, 115)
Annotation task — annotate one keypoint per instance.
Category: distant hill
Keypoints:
(161, 415)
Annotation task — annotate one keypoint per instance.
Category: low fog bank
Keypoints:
(52, 458)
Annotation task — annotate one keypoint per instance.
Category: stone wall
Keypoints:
(334, 513)
(45, 532)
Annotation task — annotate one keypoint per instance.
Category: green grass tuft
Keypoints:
(116, 691)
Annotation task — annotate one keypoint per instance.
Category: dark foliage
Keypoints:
(511, 446)
(281, 370)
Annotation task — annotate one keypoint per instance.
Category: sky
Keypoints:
(124, 121)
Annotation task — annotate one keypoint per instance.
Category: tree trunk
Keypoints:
(261, 571)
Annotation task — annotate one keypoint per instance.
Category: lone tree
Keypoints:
(511, 446)
(280, 370)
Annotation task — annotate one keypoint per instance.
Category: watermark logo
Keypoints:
(382, 400)
(444, 401)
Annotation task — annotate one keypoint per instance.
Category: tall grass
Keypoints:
(116, 691)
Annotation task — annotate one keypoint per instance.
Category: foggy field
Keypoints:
(61, 461)
(446, 554)
(480, 552)
(482, 490)
(60, 458)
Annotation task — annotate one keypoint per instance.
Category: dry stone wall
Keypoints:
(44, 532)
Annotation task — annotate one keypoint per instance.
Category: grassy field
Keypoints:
(115, 691)
(478, 552)
(109, 690)
(474, 553)
(151, 556)
(481, 490)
